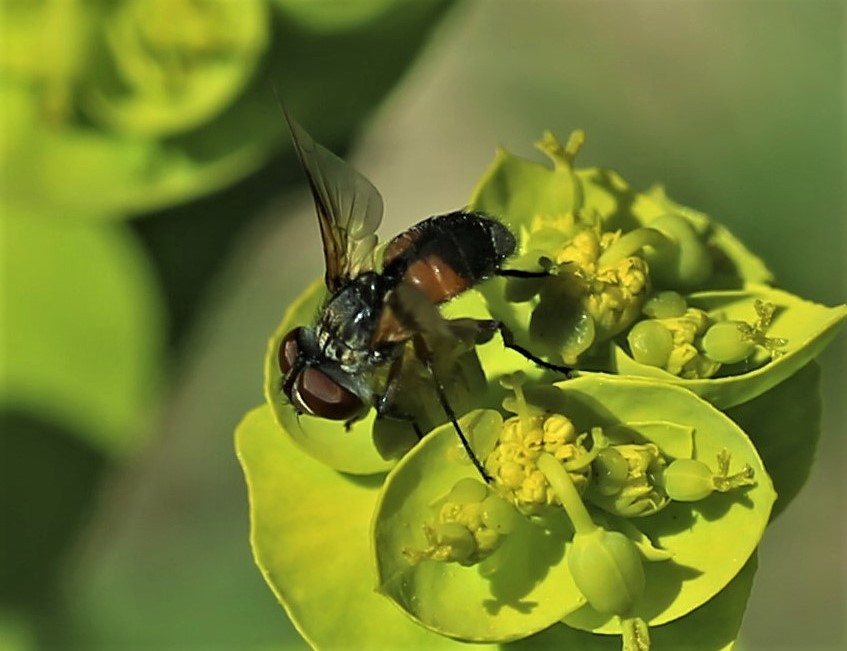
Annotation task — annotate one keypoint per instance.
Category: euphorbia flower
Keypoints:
(539, 573)
(616, 505)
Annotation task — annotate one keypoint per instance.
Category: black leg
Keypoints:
(417, 429)
(509, 342)
(392, 384)
(424, 354)
(385, 402)
(521, 273)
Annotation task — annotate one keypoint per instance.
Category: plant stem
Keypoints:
(563, 486)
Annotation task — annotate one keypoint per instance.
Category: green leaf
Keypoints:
(95, 174)
(808, 328)
(102, 118)
(124, 114)
(309, 534)
(514, 190)
(512, 595)
(710, 540)
(153, 80)
(519, 192)
(467, 603)
(713, 626)
(83, 328)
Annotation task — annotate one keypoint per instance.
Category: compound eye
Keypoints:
(324, 397)
(288, 351)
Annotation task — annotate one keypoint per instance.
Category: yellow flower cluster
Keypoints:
(512, 463)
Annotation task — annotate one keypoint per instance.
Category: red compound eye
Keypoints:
(288, 351)
(324, 397)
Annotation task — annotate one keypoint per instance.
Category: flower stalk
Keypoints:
(606, 565)
(562, 484)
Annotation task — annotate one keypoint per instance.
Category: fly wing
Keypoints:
(349, 208)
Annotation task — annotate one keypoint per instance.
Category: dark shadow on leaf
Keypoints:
(675, 517)
(526, 557)
(371, 482)
(664, 583)
(716, 505)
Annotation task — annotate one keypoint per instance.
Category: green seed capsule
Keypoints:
(607, 569)
(665, 305)
(579, 337)
(650, 343)
(467, 491)
(499, 515)
(688, 480)
(724, 343)
(610, 471)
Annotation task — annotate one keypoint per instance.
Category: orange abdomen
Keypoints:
(446, 255)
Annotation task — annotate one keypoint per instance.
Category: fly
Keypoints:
(371, 318)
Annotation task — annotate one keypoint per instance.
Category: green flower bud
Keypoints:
(610, 471)
(617, 294)
(684, 358)
(725, 342)
(625, 480)
(560, 324)
(582, 251)
(650, 342)
(690, 480)
(665, 305)
(498, 515)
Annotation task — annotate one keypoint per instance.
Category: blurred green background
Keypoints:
(155, 226)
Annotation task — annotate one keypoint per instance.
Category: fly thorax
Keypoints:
(347, 324)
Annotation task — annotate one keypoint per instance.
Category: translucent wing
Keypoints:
(349, 208)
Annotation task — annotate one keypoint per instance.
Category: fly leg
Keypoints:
(549, 269)
(521, 273)
(493, 325)
(424, 354)
(386, 400)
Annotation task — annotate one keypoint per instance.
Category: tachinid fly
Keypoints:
(372, 314)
